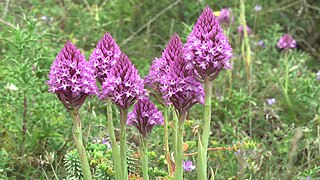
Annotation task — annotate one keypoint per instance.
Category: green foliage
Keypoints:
(33, 123)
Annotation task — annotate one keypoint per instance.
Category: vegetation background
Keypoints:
(35, 129)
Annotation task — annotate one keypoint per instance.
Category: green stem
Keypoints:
(287, 72)
(144, 157)
(114, 145)
(77, 136)
(202, 156)
(166, 141)
(178, 174)
(175, 127)
(123, 148)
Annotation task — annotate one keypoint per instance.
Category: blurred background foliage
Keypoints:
(35, 129)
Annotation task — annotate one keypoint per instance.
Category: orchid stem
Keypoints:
(114, 145)
(77, 136)
(202, 156)
(166, 141)
(144, 157)
(123, 148)
(178, 174)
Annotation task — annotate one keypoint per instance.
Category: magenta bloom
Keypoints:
(123, 85)
(207, 49)
(71, 77)
(188, 166)
(160, 67)
(104, 56)
(225, 16)
(240, 29)
(144, 116)
(286, 42)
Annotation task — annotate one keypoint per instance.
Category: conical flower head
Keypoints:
(178, 86)
(123, 85)
(207, 49)
(71, 77)
(160, 66)
(104, 56)
(287, 42)
(144, 116)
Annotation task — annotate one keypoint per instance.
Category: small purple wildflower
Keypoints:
(144, 116)
(178, 86)
(240, 29)
(258, 8)
(260, 43)
(71, 77)
(318, 75)
(287, 42)
(308, 178)
(123, 85)
(271, 101)
(225, 16)
(207, 49)
(188, 166)
(104, 56)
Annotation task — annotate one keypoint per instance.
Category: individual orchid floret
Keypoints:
(225, 17)
(71, 77)
(104, 56)
(240, 29)
(188, 166)
(123, 85)
(287, 42)
(207, 49)
(144, 116)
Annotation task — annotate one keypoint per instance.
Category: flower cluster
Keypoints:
(225, 16)
(144, 116)
(123, 85)
(207, 48)
(104, 56)
(175, 83)
(287, 42)
(71, 77)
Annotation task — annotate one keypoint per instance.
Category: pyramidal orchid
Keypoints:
(208, 52)
(72, 79)
(144, 116)
(207, 49)
(124, 87)
(225, 17)
(178, 86)
(286, 42)
(180, 89)
(103, 58)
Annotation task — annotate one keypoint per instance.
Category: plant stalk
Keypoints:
(166, 141)
(202, 156)
(144, 157)
(114, 145)
(77, 136)
(178, 174)
(123, 147)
